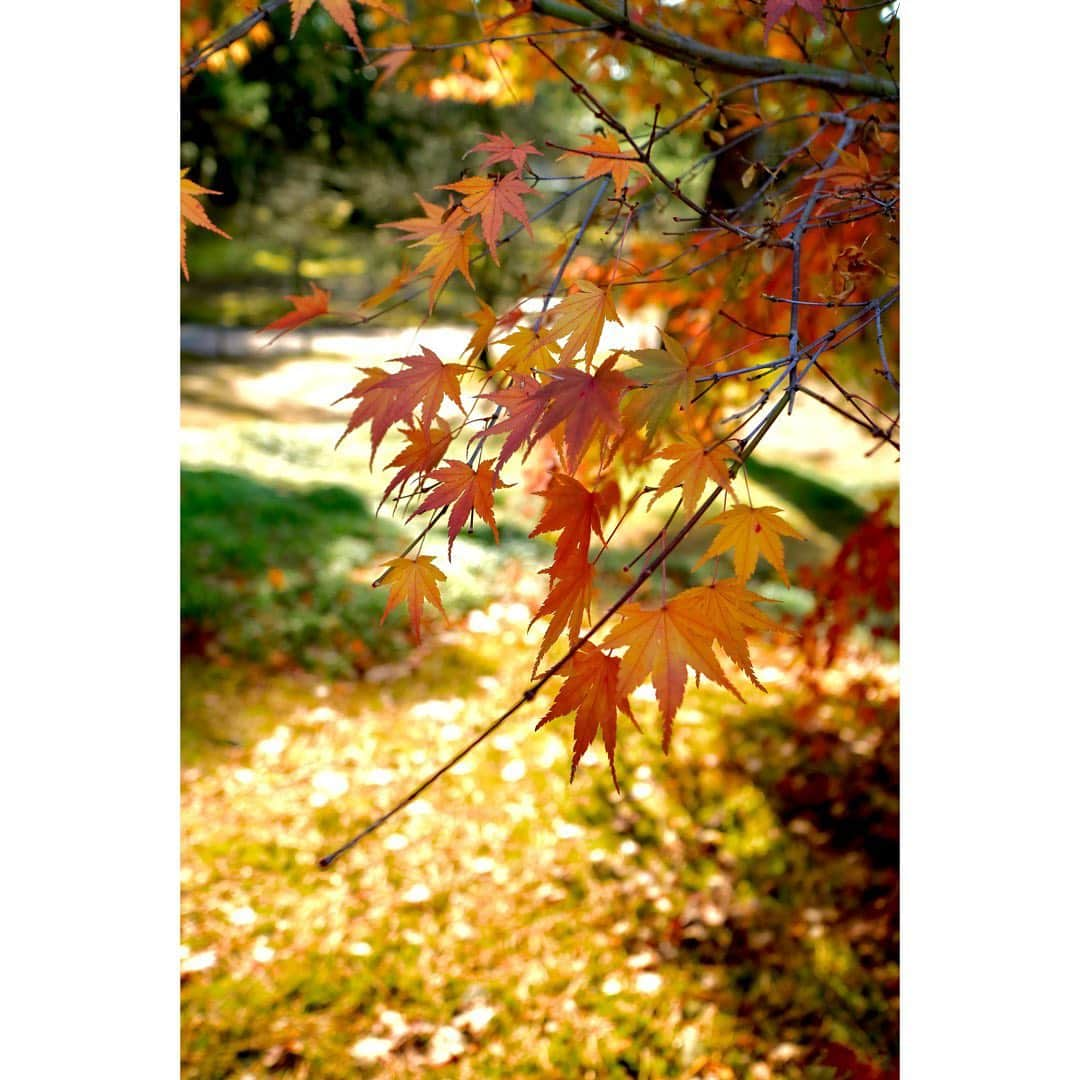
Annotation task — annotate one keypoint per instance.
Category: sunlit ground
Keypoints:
(732, 914)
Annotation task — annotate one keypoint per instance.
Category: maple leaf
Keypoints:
(491, 199)
(448, 251)
(412, 581)
(469, 490)
(728, 607)
(691, 464)
(305, 308)
(567, 603)
(524, 407)
(390, 63)
(590, 693)
(436, 219)
(582, 315)
(577, 512)
(751, 531)
(386, 399)
(502, 148)
(388, 290)
(667, 381)
(192, 210)
(607, 159)
(340, 11)
(528, 351)
(777, 9)
(425, 450)
(485, 319)
(586, 402)
(661, 644)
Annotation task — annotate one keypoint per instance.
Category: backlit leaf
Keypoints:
(412, 581)
(591, 693)
(749, 532)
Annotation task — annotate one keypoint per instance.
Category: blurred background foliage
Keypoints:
(309, 160)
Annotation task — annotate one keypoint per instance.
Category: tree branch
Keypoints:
(529, 694)
(697, 54)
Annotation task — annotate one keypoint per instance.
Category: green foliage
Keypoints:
(266, 571)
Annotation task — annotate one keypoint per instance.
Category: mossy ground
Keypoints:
(732, 914)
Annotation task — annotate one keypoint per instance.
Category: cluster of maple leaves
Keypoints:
(550, 386)
(464, 424)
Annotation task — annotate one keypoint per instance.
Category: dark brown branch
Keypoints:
(200, 55)
(696, 54)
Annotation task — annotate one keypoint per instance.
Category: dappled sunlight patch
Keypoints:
(515, 898)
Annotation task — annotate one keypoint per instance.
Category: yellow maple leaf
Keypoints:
(485, 319)
(582, 315)
(448, 251)
(528, 351)
(412, 581)
(752, 531)
(192, 210)
(691, 464)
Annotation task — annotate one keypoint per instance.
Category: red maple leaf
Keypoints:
(585, 402)
(577, 512)
(306, 309)
(591, 692)
(387, 399)
(777, 9)
(523, 406)
(469, 491)
(502, 148)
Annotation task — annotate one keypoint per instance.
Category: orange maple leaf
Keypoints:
(567, 603)
(606, 158)
(590, 691)
(436, 219)
(728, 607)
(490, 199)
(661, 644)
(390, 63)
(192, 210)
(751, 531)
(582, 315)
(691, 464)
(425, 450)
(388, 290)
(412, 581)
(502, 148)
(469, 490)
(576, 512)
(306, 308)
(450, 250)
(386, 399)
(586, 402)
(340, 11)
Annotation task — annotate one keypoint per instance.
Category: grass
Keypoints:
(714, 919)
(280, 546)
(731, 915)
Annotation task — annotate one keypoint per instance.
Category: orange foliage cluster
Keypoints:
(788, 261)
